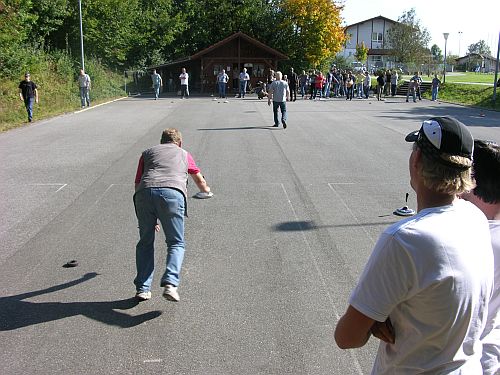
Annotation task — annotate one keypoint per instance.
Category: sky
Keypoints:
(467, 22)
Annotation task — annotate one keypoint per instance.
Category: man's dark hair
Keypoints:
(486, 171)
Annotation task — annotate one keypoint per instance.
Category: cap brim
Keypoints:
(412, 137)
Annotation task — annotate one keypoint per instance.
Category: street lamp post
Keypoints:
(459, 37)
(81, 33)
(445, 42)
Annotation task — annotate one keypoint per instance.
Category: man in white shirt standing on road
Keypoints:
(279, 93)
(244, 78)
(184, 77)
(425, 290)
(84, 83)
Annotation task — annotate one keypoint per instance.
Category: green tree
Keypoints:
(361, 52)
(408, 39)
(49, 16)
(109, 29)
(315, 26)
(16, 22)
(480, 48)
(436, 53)
(156, 28)
(211, 21)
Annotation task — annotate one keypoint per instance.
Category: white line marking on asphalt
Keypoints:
(98, 105)
(321, 277)
(62, 187)
(352, 213)
(91, 208)
(158, 360)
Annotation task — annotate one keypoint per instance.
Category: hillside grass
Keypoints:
(468, 94)
(56, 76)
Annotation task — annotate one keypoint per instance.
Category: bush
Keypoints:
(55, 73)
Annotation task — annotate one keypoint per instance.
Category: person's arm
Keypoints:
(196, 175)
(287, 93)
(353, 329)
(270, 94)
(140, 171)
(200, 181)
(21, 95)
(36, 95)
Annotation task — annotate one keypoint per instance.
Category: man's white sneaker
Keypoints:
(143, 296)
(203, 195)
(170, 293)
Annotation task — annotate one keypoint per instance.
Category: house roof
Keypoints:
(239, 34)
(371, 19)
(480, 55)
(244, 36)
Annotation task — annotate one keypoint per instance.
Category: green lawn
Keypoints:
(468, 77)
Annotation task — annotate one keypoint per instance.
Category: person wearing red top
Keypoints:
(320, 80)
(160, 194)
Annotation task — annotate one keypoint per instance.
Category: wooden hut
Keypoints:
(233, 53)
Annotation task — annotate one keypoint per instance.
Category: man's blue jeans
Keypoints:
(166, 205)
(28, 103)
(282, 107)
(243, 88)
(157, 91)
(435, 93)
(222, 89)
(85, 96)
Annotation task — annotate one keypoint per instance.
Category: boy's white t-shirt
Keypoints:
(184, 78)
(432, 275)
(491, 334)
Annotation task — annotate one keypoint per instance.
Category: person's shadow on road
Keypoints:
(16, 313)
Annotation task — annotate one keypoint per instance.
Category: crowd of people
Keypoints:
(338, 83)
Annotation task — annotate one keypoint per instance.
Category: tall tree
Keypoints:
(480, 48)
(408, 39)
(109, 29)
(315, 28)
(361, 52)
(436, 53)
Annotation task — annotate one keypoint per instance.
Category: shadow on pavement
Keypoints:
(290, 226)
(16, 313)
(270, 127)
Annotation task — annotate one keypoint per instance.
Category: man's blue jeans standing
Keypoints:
(168, 206)
(435, 93)
(85, 96)
(243, 88)
(282, 107)
(157, 91)
(222, 89)
(28, 103)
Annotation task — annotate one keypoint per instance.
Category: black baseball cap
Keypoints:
(443, 135)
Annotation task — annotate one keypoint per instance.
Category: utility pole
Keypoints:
(445, 41)
(494, 98)
(81, 33)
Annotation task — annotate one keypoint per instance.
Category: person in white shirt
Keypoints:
(184, 77)
(244, 78)
(425, 289)
(84, 83)
(157, 83)
(222, 80)
(486, 196)
(279, 93)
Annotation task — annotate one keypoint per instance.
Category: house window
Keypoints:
(377, 37)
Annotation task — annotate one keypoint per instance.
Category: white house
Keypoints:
(373, 33)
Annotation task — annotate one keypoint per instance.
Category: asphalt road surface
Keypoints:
(270, 259)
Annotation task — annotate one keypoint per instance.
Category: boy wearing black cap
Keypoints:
(28, 93)
(425, 289)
